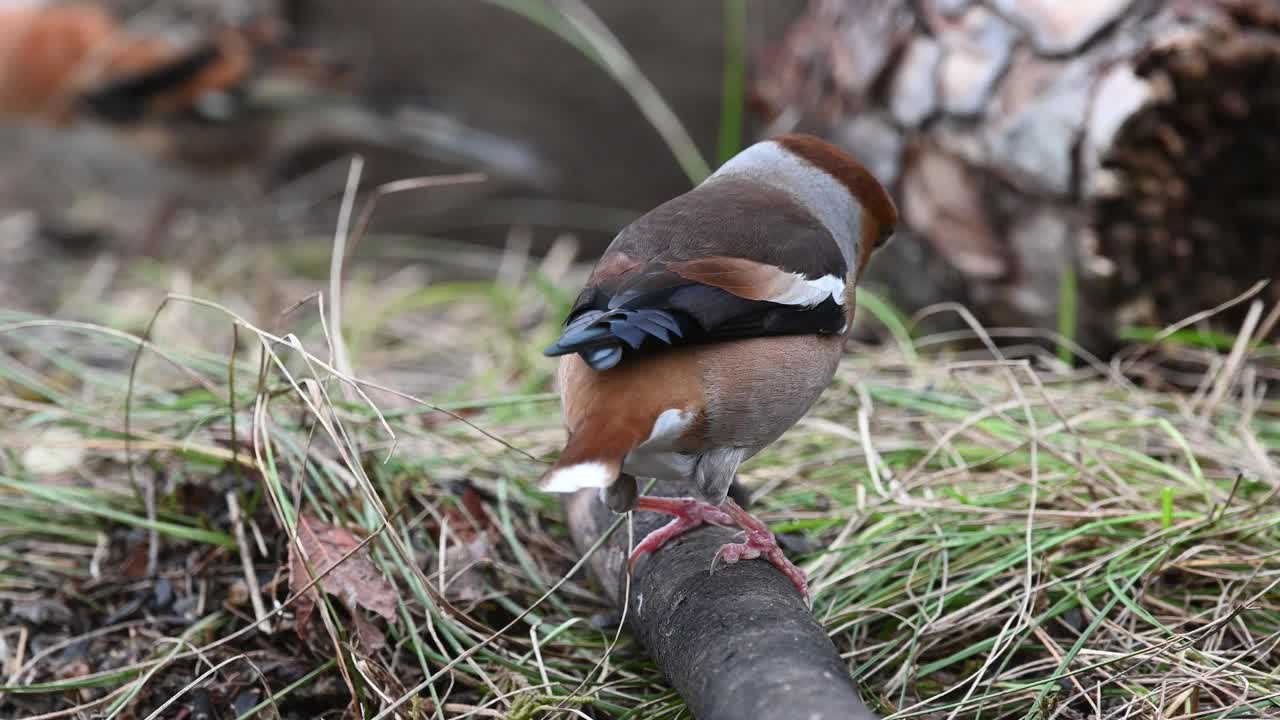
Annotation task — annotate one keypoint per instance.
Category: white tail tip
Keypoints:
(572, 478)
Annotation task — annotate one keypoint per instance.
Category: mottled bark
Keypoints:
(737, 643)
(1131, 141)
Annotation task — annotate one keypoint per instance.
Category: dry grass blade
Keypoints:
(987, 538)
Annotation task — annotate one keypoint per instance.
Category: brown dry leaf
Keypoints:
(369, 638)
(356, 580)
(465, 569)
(471, 547)
(469, 519)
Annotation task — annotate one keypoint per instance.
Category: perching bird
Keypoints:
(236, 96)
(709, 327)
(62, 63)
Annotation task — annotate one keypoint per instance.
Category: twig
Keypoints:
(246, 563)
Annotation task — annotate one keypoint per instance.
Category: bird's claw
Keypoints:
(757, 540)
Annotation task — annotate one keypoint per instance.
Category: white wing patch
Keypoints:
(656, 456)
(667, 427)
(803, 291)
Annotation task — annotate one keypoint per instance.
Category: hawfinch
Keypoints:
(62, 62)
(233, 97)
(190, 102)
(709, 327)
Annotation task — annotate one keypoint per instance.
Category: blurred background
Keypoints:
(282, 196)
(120, 183)
(1078, 178)
(444, 87)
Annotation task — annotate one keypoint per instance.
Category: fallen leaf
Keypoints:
(470, 547)
(369, 638)
(355, 580)
(465, 569)
(467, 517)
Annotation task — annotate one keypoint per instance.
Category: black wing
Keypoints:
(682, 284)
(127, 99)
(657, 308)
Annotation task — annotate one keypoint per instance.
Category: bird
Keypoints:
(240, 105)
(67, 62)
(220, 99)
(192, 101)
(708, 327)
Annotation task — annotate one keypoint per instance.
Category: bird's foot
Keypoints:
(689, 514)
(759, 542)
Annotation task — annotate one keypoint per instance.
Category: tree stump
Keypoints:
(1131, 142)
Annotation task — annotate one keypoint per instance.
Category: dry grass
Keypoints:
(994, 537)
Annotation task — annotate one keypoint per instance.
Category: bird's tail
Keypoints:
(574, 476)
(598, 335)
(592, 458)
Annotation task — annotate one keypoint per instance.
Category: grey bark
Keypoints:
(1130, 141)
(737, 643)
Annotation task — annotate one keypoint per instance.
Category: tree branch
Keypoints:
(736, 643)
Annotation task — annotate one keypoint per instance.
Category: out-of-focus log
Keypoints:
(1131, 141)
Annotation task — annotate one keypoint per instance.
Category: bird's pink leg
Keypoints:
(759, 543)
(689, 514)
